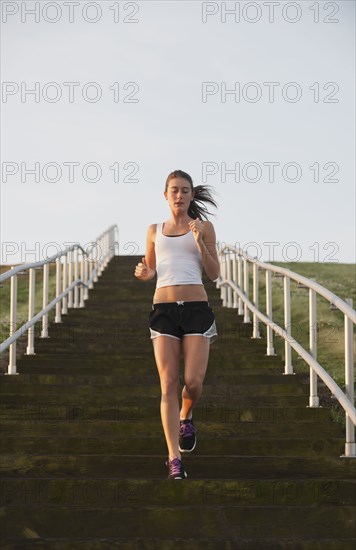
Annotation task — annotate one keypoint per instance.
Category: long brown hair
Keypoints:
(202, 194)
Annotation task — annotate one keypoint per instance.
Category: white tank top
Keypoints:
(178, 260)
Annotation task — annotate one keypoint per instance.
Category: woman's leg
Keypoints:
(196, 355)
(167, 356)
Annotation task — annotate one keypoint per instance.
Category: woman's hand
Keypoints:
(196, 227)
(143, 272)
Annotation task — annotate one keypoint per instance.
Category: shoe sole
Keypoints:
(185, 477)
(188, 450)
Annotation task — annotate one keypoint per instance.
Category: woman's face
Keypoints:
(179, 194)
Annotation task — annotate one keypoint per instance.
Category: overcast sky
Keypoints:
(139, 87)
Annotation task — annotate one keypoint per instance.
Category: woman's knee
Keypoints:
(169, 385)
(193, 385)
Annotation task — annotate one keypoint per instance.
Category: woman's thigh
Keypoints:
(196, 356)
(167, 355)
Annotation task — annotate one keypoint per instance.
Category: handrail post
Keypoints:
(70, 278)
(102, 255)
(11, 369)
(350, 445)
(239, 279)
(228, 276)
(92, 267)
(31, 311)
(107, 248)
(111, 241)
(270, 348)
(57, 318)
(223, 293)
(112, 245)
(82, 288)
(86, 277)
(95, 265)
(76, 277)
(288, 368)
(217, 284)
(107, 239)
(103, 258)
(246, 310)
(44, 333)
(256, 332)
(234, 278)
(313, 397)
(64, 284)
(117, 242)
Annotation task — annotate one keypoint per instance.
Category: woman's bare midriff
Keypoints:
(187, 293)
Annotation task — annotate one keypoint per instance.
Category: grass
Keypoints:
(339, 279)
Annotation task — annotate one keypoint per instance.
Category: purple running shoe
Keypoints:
(187, 437)
(176, 469)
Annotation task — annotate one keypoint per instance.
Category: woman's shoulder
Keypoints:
(208, 230)
(207, 223)
(152, 228)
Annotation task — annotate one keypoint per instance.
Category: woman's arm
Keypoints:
(147, 269)
(207, 248)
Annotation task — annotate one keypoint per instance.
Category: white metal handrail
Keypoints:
(234, 288)
(67, 277)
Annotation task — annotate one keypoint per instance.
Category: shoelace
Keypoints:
(187, 429)
(174, 466)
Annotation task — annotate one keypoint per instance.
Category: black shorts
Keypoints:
(178, 319)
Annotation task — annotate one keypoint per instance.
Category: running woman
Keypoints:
(181, 318)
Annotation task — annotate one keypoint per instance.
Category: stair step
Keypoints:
(129, 397)
(130, 428)
(203, 412)
(212, 543)
(243, 446)
(116, 321)
(271, 446)
(198, 466)
(144, 360)
(148, 378)
(199, 521)
(139, 343)
(116, 491)
(18, 387)
(236, 357)
(80, 367)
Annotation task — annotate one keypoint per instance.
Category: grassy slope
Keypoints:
(339, 279)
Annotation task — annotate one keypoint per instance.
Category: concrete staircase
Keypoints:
(83, 451)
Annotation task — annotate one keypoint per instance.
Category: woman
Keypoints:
(181, 316)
